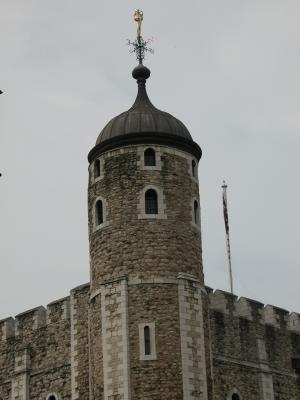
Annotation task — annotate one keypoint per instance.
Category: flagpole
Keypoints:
(226, 221)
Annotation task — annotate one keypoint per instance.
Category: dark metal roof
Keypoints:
(143, 117)
(144, 123)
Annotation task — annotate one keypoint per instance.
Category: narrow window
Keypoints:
(235, 397)
(99, 212)
(52, 397)
(149, 158)
(147, 340)
(151, 202)
(196, 212)
(97, 169)
(194, 168)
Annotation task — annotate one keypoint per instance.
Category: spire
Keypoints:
(141, 73)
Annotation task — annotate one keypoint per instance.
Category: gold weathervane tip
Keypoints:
(138, 17)
(139, 46)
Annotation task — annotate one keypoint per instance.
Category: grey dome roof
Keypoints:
(144, 124)
(143, 117)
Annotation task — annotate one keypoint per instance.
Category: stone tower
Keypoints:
(148, 322)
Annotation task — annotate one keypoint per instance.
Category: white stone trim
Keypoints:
(141, 161)
(153, 355)
(294, 322)
(115, 339)
(39, 318)
(8, 329)
(20, 387)
(152, 280)
(104, 210)
(92, 170)
(53, 394)
(232, 392)
(261, 350)
(161, 206)
(192, 340)
(266, 386)
(194, 224)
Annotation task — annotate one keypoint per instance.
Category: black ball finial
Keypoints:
(141, 72)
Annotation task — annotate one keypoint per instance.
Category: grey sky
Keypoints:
(228, 69)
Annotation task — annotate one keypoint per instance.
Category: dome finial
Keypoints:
(140, 46)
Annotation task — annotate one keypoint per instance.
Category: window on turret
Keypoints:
(52, 397)
(149, 158)
(194, 168)
(151, 206)
(196, 212)
(147, 341)
(235, 397)
(99, 212)
(97, 169)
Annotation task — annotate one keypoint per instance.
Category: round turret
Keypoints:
(145, 257)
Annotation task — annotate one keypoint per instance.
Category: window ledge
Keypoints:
(98, 227)
(152, 216)
(151, 168)
(99, 178)
(150, 357)
(196, 226)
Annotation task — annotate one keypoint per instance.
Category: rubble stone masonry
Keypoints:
(146, 327)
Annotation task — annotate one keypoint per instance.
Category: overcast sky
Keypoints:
(228, 69)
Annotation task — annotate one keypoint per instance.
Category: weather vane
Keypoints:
(140, 46)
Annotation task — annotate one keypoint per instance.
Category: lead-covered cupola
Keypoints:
(143, 123)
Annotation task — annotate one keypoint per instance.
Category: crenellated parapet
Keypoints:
(37, 348)
(252, 310)
(7, 328)
(294, 322)
(28, 322)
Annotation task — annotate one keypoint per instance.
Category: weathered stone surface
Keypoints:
(148, 272)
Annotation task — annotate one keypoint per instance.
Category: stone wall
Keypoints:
(149, 253)
(253, 346)
(35, 351)
(138, 247)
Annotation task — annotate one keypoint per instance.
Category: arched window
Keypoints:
(235, 396)
(194, 168)
(97, 169)
(99, 212)
(151, 202)
(149, 158)
(147, 342)
(52, 397)
(196, 212)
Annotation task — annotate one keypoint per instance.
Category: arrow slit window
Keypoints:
(196, 212)
(147, 341)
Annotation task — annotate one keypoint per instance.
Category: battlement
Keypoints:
(228, 304)
(252, 310)
(29, 321)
